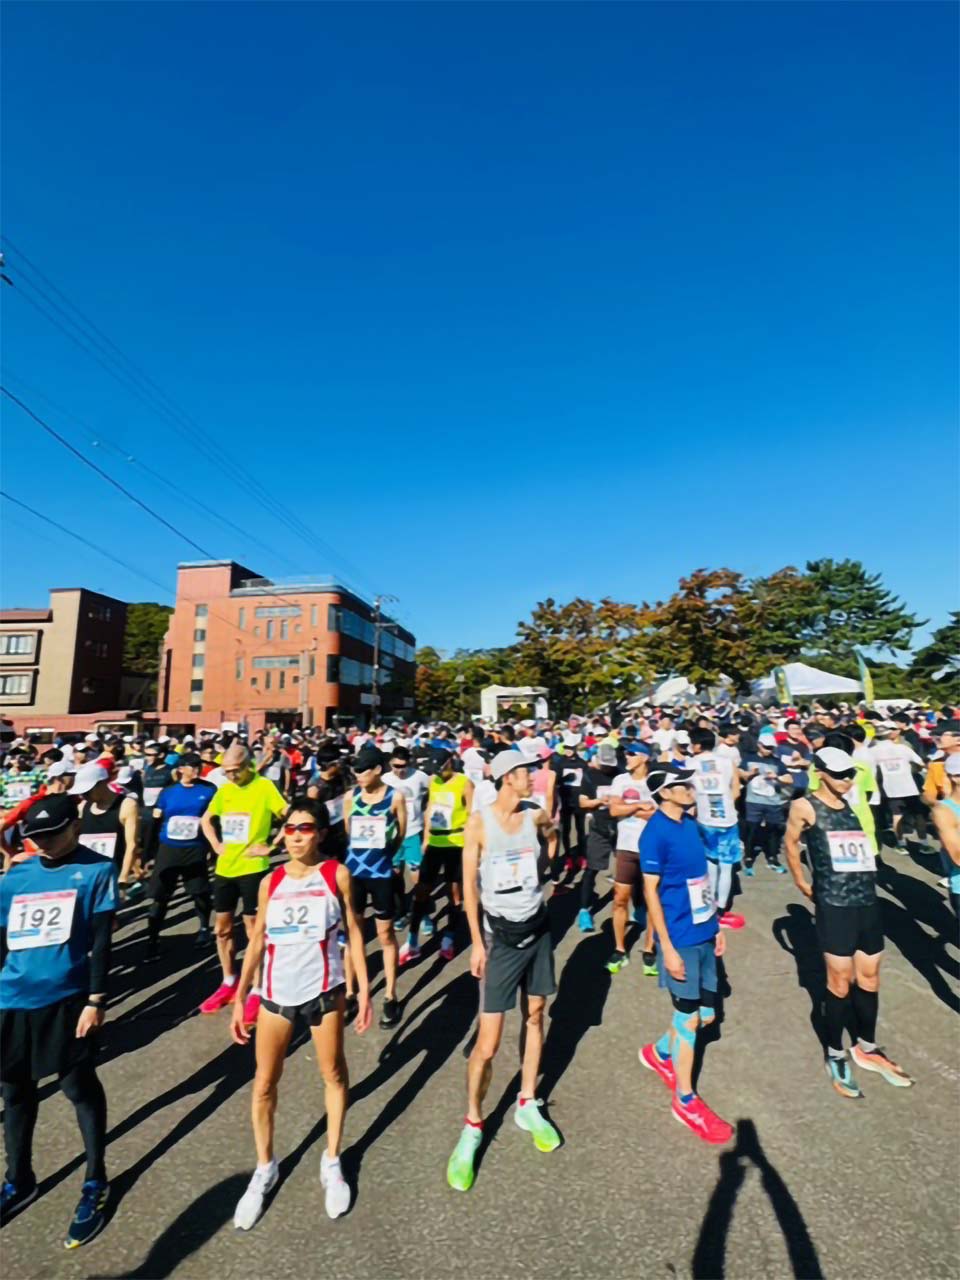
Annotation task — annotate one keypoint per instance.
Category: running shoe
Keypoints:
(639, 917)
(251, 1010)
(841, 1077)
(14, 1198)
(748, 869)
(619, 960)
(730, 920)
(337, 1198)
(530, 1117)
(220, 999)
(584, 921)
(447, 949)
(427, 927)
(698, 1117)
(776, 867)
(409, 952)
(91, 1213)
(135, 891)
(203, 940)
(568, 866)
(879, 1062)
(581, 863)
(662, 1066)
(250, 1205)
(460, 1171)
(650, 969)
(352, 1009)
(391, 1014)
(400, 923)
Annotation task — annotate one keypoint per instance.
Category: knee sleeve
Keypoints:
(681, 1019)
(708, 1009)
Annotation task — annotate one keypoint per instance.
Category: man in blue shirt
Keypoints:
(56, 920)
(182, 851)
(676, 882)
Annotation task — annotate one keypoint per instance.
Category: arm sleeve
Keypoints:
(102, 929)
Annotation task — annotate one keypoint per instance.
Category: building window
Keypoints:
(313, 664)
(313, 615)
(199, 634)
(106, 613)
(284, 627)
(279, 611)
(297, 626)
(239, 669)
(263, 663)
(266, 680)
(16, 644)
(333, 668)
(253, 682)
(198, 659)
(200, 611)
(196, 706)
(333, 617)
(270, 629)
(256, 631)
(15, 684)
(282, 679)
(196, 686)
(242, 619)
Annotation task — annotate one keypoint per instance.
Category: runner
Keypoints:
(766, 797)
(156, 775)
(946, 819)
(601, 841)
(849, 923)
(717, 786)
(301, 906)
(506, 858)
(246, 806)
(896, 761)
(109, 822)
(631, 805)
(571, 769)
(182, 852)
(20, 783)
(56, 922)
(329, 786)
(448, 807)
(375, 817)
(413, 785)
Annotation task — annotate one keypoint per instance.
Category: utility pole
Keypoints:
(304, 683)
(378, 626)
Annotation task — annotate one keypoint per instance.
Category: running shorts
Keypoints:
(376, 890)
(700, 966)
(409, 854)
(312, 1011)
(627, 868)
(35, 1043)
(844, 930)
(512, 969)
(722, 844)
(598, 850)
(445, 861)
(228, 891)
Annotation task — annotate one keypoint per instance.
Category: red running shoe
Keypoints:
(582, 863)
(706, 1124)
(730, 920)
(220, 999)
(663, 1067)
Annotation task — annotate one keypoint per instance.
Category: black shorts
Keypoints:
(627, 868)
(314, 1011)
(443, 860)
(844, 930)
(379, 892)
(230, 890)
(169, 868)
(512, 969)
(599, 849)
(35, 1043)
(905, 804)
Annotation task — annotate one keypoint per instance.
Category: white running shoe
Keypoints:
(250, 1207)
(337, 1199)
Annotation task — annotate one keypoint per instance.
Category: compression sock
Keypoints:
(866, 1005)
(835, 1009)
(662, 1047)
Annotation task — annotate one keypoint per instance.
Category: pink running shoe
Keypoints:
(251, 1009)
(447, 949)
(220, 999)
(730, 920)
(663, 1067)
(706, 1124)
(409, 952)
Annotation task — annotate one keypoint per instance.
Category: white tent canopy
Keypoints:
(496, 696)
(808, 682)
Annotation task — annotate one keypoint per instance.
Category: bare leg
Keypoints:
(226, 945)
(621, 906)
(328, 1042)
(388, 945)
(480, 1063)
(273, 1037)
(533, 1045)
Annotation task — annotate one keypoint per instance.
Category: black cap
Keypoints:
(368, 757)
(49, 815)
(192, 758)
(945, 726)
(666, 775)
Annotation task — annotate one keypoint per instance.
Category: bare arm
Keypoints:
(472, 853)
(130, 821)
(671, 959)
(399, 807)
(251, 964)
(210, 831)
(548, 832)
(358, 953)
(801, 816)
(948, 829)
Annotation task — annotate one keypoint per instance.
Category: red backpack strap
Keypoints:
(328, 870)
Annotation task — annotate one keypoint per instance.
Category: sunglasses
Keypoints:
(304, 828)
(844, 775)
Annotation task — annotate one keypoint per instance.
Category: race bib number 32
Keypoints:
(40, 919)
(297, 917)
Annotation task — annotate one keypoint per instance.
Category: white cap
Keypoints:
(59, 768)
(505, 762)
(91, 737)
(952, 765)
(571, 739)
(833, 760)
(88, 775)
(124, 775)
(530, 748)
(682, 737)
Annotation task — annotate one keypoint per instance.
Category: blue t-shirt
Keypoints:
(178, 801)
(786, 751)
(36, 900)
(675, 852)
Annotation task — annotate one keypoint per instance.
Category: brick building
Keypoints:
(243, 649)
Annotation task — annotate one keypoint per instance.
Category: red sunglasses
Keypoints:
(305, 828)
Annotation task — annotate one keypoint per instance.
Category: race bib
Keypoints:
(182, 827)
(629, 831)
(368, 832)
(150, 796)
(335, 810)
(103, 844)
(702, 905)
(441, 815)
(892, 766)
(298, 917)
(710, 783)
(851, 851)
(40, 919)
(711, 809)
(571, 777)
(514, 870)
(17, 791)
(235, 828)
(762, 786)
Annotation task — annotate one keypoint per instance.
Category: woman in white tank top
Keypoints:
(302, 905)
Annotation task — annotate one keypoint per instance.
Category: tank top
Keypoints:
(841, 857)
(447, 811)
(303, 959)
(103, 832)
(953, 869)
(509, 882)
(372, 836)
(540, 782)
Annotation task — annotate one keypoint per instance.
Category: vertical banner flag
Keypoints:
(866, 679)
(783, 688)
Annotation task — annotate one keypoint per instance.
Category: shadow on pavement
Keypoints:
(922, 904)
(709, 1257)
(796, 933)
(577, 1006)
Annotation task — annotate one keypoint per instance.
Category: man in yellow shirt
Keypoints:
(247, 807)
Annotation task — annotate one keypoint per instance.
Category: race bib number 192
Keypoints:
(40, 919)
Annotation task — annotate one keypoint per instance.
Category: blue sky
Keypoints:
(502, 301)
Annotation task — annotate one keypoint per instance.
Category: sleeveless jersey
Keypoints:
(103, 832)
(447, 811)
(509, 882)
(303, 958)
(842, 858)
(372, 836)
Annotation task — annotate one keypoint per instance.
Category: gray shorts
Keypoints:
(511, 969)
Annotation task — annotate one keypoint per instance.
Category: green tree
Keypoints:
(853, 608)
(146, 627)
(937, 664)
(708, 629)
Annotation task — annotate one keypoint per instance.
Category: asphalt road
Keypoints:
(813, 1185)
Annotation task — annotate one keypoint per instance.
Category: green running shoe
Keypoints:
(460, 1172)
(619, 960)
(650, 969)
(530, 1117)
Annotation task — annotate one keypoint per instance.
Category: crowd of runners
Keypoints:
(467, 832)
